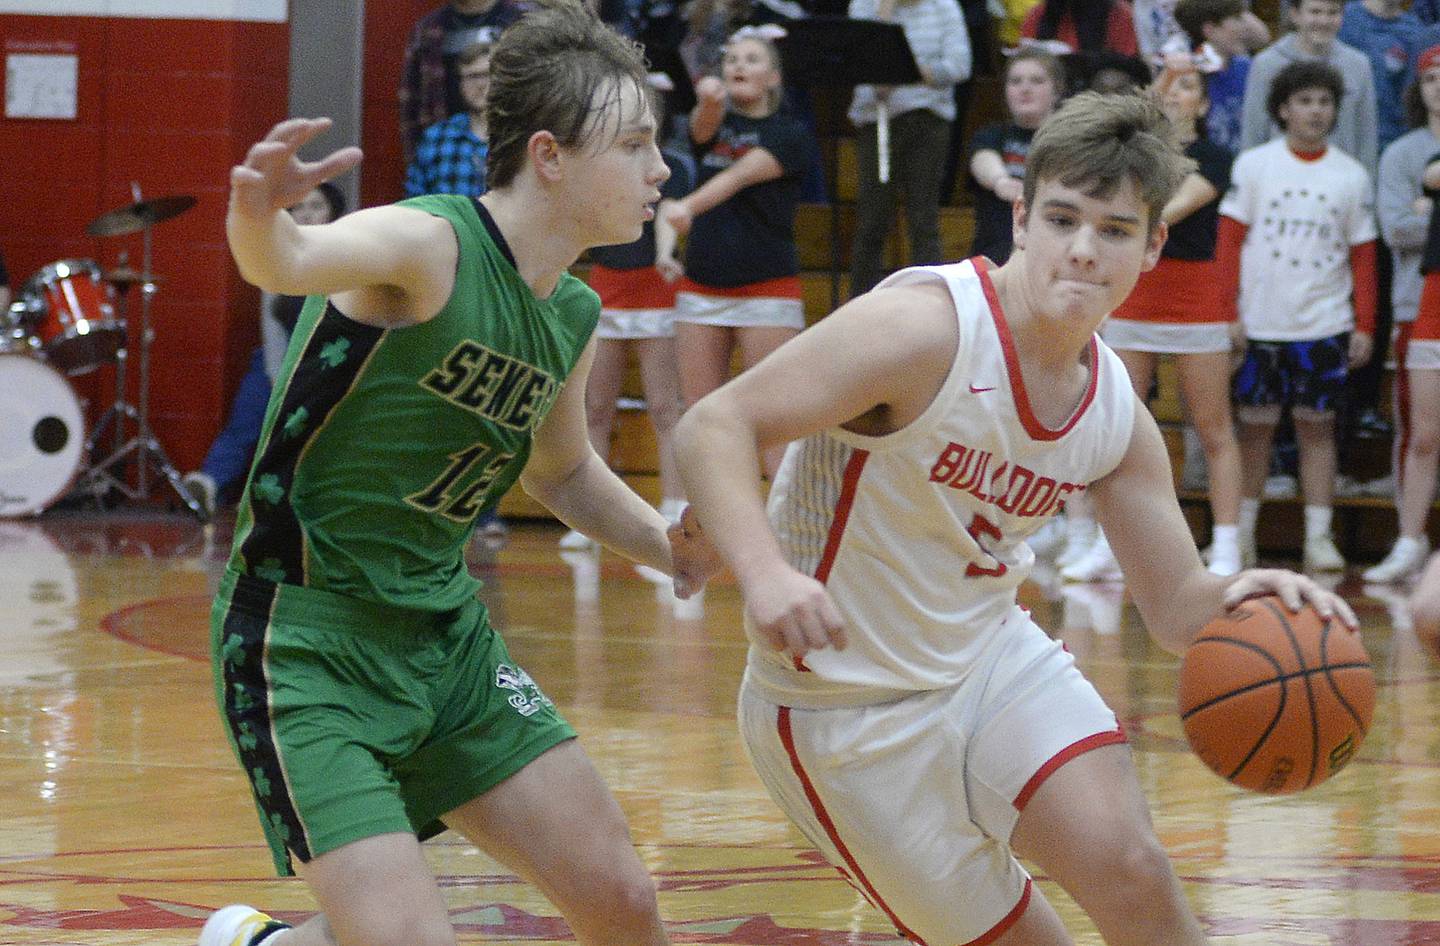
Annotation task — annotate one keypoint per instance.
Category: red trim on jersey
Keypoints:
(842, 513)
(1011, 918)
(787, 738)
(641, 288)
(1028, 420)
(1309, 155)
(1114, 737)
(782, 287)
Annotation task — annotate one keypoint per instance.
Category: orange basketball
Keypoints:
(1276, 701)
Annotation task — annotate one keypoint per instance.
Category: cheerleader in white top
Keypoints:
(917, 726)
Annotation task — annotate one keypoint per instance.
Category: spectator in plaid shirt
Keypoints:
(429, 89)
(450, 158)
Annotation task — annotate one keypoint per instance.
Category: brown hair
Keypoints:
(1095, 142)
(1301, 76)
(1192, 15)
(558, 69)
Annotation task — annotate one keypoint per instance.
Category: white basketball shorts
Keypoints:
(914, 801)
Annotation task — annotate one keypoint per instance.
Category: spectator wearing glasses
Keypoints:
(450, 158)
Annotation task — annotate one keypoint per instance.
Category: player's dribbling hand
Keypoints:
(794, 613)
(1292, 588)
(693, 559)
(272, 177)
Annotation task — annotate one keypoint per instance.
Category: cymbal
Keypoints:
(128, 276)
(139, 215)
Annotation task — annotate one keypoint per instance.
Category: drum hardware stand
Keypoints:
(121, 409)
(144, 445)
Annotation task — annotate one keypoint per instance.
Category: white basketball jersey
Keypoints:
(919, 534)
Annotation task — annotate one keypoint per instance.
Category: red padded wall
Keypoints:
(169, 104)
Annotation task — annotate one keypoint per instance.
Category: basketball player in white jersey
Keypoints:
(910, 718)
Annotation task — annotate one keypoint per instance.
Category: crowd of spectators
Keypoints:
(1285, 195)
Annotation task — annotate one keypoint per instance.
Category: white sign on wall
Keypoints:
(41, 85)
(261, 11)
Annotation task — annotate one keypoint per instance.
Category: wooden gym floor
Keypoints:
(124, 819)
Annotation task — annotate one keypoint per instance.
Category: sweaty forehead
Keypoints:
(616, 106)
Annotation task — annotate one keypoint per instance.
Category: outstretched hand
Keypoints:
(1293, 589)
(272, 177)
(693, 559)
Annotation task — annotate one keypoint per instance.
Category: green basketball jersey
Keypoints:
(381, 446)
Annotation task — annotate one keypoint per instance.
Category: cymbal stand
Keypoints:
(119, 411)
(144, 445)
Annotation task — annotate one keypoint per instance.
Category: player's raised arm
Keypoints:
(386, 249)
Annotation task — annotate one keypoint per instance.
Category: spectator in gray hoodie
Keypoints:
(1317, 23)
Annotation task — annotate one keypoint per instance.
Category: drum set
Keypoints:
(67, 320)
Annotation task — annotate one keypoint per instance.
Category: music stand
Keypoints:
(839, 52)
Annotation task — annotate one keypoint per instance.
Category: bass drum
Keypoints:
(42, 435)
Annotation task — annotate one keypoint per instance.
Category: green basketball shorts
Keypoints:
(353, 719)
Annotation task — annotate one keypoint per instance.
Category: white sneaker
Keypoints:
(1321, 555)
(239, 925)
(202, 489)
(1098, 564)
(1079, 537)
(574, 541)
(1404, 560)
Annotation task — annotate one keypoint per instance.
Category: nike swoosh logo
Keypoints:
(975, 390)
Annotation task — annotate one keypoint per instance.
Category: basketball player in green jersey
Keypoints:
(441, 357)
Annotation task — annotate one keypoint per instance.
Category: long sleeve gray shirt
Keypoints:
(1401, 167)
(1356, 132)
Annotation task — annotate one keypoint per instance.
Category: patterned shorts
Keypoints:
(1308, 374)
